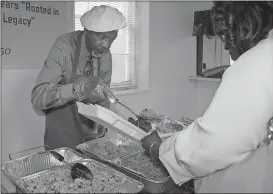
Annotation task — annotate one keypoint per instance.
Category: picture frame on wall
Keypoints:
(203, 25)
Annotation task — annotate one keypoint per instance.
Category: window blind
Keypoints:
(123, 48)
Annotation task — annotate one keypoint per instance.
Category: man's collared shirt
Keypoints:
(52, 88)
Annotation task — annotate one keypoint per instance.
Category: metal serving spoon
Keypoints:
(78, 170)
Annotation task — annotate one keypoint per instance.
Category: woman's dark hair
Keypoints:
(242, 24)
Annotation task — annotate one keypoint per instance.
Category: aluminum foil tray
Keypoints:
(140, 167)
(111, 149)
(27, 165)
(140, 163)
(150, 186)
(58, 180)
(40, 166)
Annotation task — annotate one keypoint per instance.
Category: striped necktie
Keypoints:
(88, 69)
(92, 67)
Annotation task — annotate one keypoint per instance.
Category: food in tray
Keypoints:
(141, 123)
(149, 120)
(146, 120)
(60, 181)
(168, 125)
(142, 164)
(186, 120)
(115, 147)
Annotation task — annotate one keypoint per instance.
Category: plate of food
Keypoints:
(167, 127)
(186, 120)
(148, 120)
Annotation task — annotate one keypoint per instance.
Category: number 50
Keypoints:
(5, 51)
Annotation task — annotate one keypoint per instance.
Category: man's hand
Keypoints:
(107, 91)
(151, 144)
(88, 88)
(102, 92)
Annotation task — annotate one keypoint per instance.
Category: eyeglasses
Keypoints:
(221, 36)
(269, 135)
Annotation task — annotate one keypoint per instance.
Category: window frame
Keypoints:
(142, 74)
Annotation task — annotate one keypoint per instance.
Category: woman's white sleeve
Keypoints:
(233, 125)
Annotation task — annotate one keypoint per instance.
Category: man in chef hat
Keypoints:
(77, 68)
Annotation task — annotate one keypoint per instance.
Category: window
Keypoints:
(125, 49)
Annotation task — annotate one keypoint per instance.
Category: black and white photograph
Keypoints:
(133, 96)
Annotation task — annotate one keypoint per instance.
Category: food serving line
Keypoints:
(117, 161)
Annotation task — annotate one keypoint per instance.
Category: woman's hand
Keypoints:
(151, 144)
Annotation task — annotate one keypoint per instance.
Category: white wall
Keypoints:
(172, 60)
(22, 128)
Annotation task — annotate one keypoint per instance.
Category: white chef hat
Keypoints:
(103, 18)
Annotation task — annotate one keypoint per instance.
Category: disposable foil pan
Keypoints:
(35, 165)
(141, 164)
(101, 173)
(152, 184)
(111, 149)
(90, 149)
(154, 176)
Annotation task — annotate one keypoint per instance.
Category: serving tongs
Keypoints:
(78, 170)
(115, 101)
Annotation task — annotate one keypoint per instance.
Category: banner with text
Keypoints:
(29, 29)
